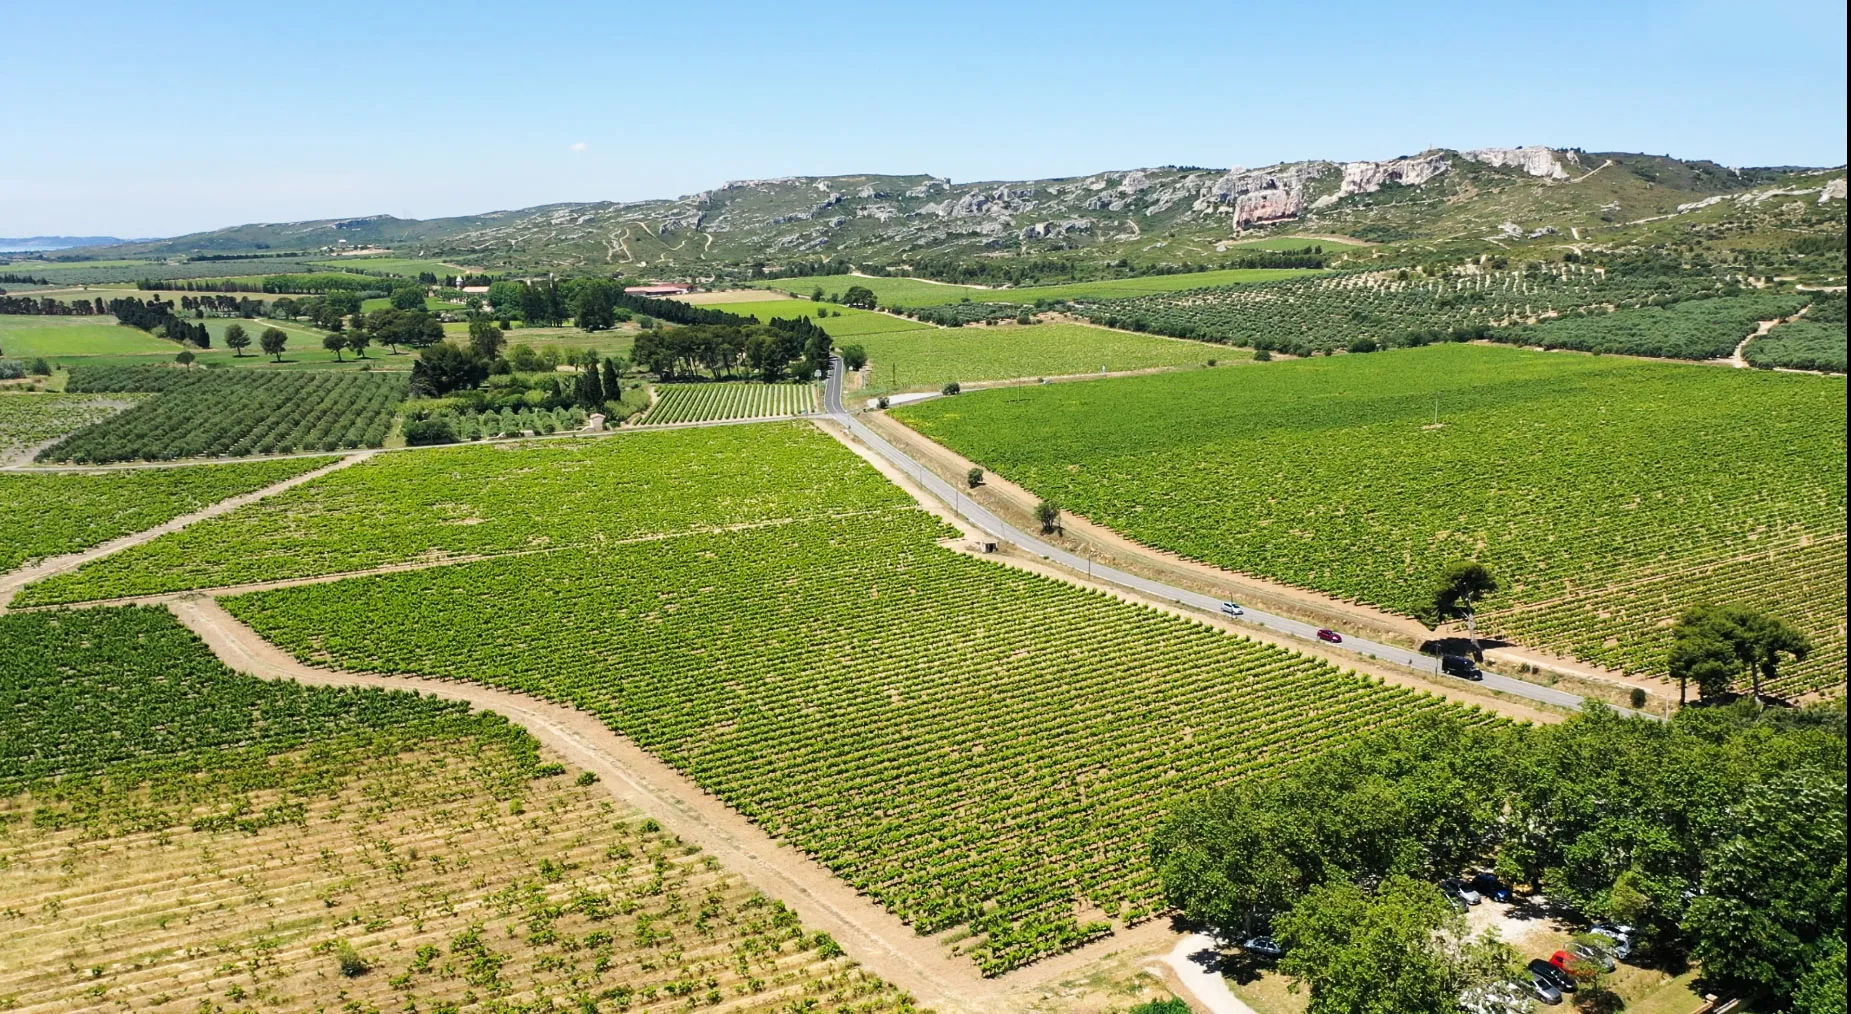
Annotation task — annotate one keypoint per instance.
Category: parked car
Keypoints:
(1488, 885)
(1496, 998)
(1327, 634)
(1545, 990)
(1557, 977)
(1232, 609)
(1460, 666)
(1580, 967)
(1593, 953)
(1459, 889)
(1265, 947)
(1622, 937)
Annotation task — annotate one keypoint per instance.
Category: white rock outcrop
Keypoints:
(1368, 177)
(1533, 159)
(1257, 197)
(1833, 191)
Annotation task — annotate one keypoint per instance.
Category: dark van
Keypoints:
(1460, 666)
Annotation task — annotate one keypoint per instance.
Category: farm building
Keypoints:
(657, 291)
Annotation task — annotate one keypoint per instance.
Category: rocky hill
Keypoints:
(1166, 214)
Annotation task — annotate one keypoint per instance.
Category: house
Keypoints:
(657, 291)
(475, 290)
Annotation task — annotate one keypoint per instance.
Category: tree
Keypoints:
(1456, 594)
(237, 339)
(1822, 991)
(185, 358)
(1717, 644)
(408, 297)
(446, 367)
(613, 378)
(588, 390)
(951, 388)
(854, 356)
(974, 477)
(817, 296)
(334, 343)
(1703, 651)
(859, 296)
(597, 305)
(1048, 513)
(357, 341)
(272, 342)
(1773, 904)
(485, 339)
(1399, 949)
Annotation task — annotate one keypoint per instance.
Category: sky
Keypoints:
(139, 119)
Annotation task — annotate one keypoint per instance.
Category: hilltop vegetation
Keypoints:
(1575, 479)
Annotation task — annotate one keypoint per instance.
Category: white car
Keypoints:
(1622, 937)
(1232, 609)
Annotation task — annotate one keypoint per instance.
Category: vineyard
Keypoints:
(1359, 475)
(218, 413)
(971, 745)
(271, 845)
(1652, 314)
(50, 513)
(930, 358)
(30, 419)
(687, 403)
(1814, 342)
(481, 500)
(898, 291)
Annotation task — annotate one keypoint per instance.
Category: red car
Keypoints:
(1327, 634)
(1574, 964)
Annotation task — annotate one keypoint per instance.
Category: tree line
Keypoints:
(1719, 835)
(781, 350)
(157, 314)
(45, 306)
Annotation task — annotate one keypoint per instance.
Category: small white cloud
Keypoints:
(580, 146)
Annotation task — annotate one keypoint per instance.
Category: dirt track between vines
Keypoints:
(877, 938)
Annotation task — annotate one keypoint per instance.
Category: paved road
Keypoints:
(1005, 532)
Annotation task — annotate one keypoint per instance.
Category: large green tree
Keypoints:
(1399, 949)
(1773, 905)
(237, 339)
(1462, 584)
(273, 341)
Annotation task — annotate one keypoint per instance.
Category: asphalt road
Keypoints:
(984, 519)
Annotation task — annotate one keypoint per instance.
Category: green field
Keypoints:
(970, 744)
(686, 403)
(929, 358)
(1583, 483)
(431, 303)
(917, 292)
(28, 418)
(843, 322)
(410, 267)
(363, 848)
(218, 413)
(24, 337)
(49, 513)
(473, 500)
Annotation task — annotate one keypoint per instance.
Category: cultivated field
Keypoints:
(214, 413)
(50, 513)
(1606, 494)
(254, 845)
(480, 500)
(409, 267)
(973, 746)
(1557, 306)
(898, 291)
(928, 358)
(25, 336)
(685, 403)
(30, 418)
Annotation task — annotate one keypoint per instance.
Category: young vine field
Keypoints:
(48, 513)
(930, 358)
(969, 744)
(687, 403)
(307, 847)
(1573, 478)
(217, 413)
(1686, 315)
(27, 419)
(487, 499)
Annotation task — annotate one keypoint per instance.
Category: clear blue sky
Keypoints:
(139, 119)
